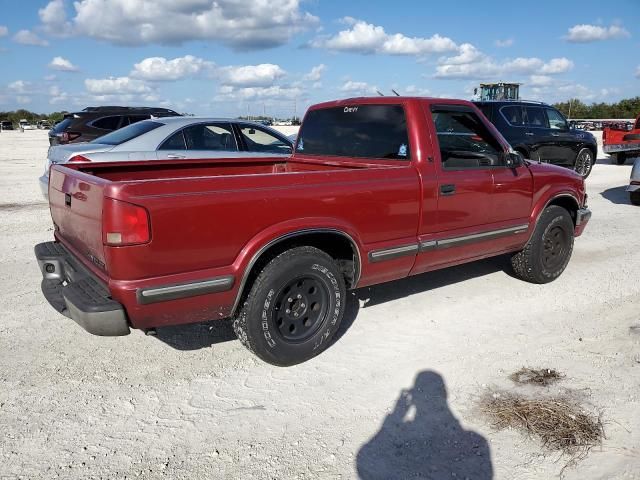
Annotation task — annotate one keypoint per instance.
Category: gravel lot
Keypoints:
(396, 394)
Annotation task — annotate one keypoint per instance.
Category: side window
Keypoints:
(218, 136)
(258, 140)
(513, 115)
(556, 120)
(464, 141)
(535, 117)
(107, 123)
(174, 142)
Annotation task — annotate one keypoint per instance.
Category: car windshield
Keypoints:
(127, 133)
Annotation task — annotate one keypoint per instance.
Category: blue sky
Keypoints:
(233, 57)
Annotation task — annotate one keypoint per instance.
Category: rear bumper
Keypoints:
(621, 147)
(78, 294)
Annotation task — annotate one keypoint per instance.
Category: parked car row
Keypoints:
(173, 138)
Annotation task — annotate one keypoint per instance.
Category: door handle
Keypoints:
(529, 133)
(175, 156)
(555, 134)
(448, 189)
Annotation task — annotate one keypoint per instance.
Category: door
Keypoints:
(466, 155)
(260, 140)
(564, 143)
(203, 140)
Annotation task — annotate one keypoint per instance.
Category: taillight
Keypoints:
(66, 137)
(78, 159)
(124, 223)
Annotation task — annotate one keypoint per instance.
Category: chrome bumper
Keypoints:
(583, 216)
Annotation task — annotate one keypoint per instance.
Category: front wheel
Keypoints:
(584, 162)
(547, 254)
(294, 308)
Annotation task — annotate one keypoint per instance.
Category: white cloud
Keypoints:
(116, 86)
(470, 63)
(358, 88)
(23, 100)
(263, 24)
(161, 69)
(274, 92)
(363, 37)
(414, 91)
(19, 86)
(57, 96)
(540, 80)
(507, 42)
(592, 33)
(638, 71)
(4, 31)
(26, 37)
(262, 75)
(315, 74)
(54, 18)
(63, 65)
(50, 78)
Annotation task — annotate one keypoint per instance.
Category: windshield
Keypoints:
(127, 133)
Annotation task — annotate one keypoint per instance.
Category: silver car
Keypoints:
(173, 138)
(634, 183)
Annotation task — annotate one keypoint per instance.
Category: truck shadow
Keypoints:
(421, 438)
(617, 195)
(203, 335)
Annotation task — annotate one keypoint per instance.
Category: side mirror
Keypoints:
(513, 160)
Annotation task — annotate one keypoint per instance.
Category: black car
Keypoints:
(540, 132)
(94, 122)
(6, 125)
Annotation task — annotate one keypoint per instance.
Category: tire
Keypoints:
(547, 254)
(294, 308)
(619, 158)
(584, 162)
(634, 198)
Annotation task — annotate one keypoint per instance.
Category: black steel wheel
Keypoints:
(294, 307)
(584, 162)
(549, 249)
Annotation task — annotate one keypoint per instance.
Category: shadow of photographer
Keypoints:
(421, 438)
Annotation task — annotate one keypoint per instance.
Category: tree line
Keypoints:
(15, 116)
(627, 108)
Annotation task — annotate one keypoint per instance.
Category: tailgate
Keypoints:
(75, 199)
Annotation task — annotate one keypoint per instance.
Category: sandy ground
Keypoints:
(395, 394)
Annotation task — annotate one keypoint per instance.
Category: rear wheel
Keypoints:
(634, 197)
(584, 162)
(548, 252)
(294, 308)
(619, 158)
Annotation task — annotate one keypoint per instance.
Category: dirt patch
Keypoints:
(561, 424)
(541, 377)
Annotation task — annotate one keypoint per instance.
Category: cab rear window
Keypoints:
(360, 131)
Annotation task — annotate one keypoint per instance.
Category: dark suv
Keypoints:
(6, 125)
(94, 122)
(540, 132)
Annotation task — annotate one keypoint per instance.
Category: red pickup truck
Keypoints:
(377, 189)
(622, 144)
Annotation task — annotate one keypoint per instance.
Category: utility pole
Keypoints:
(570, 105)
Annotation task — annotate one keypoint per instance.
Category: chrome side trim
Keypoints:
(183, 290)
(428, 245)
(476, 237)
(392, 253)
(264, 248)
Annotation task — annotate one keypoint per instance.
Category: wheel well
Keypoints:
(337, 245)
(523, 151)
(568, 203)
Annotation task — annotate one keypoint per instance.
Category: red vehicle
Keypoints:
(377, 189)
(621, 143)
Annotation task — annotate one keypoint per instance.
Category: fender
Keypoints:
(271, 236)
(543, 203)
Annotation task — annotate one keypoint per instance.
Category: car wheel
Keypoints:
(547, 254)
(294, 308)
(584, 162)
(634, 197)
(619, 158)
